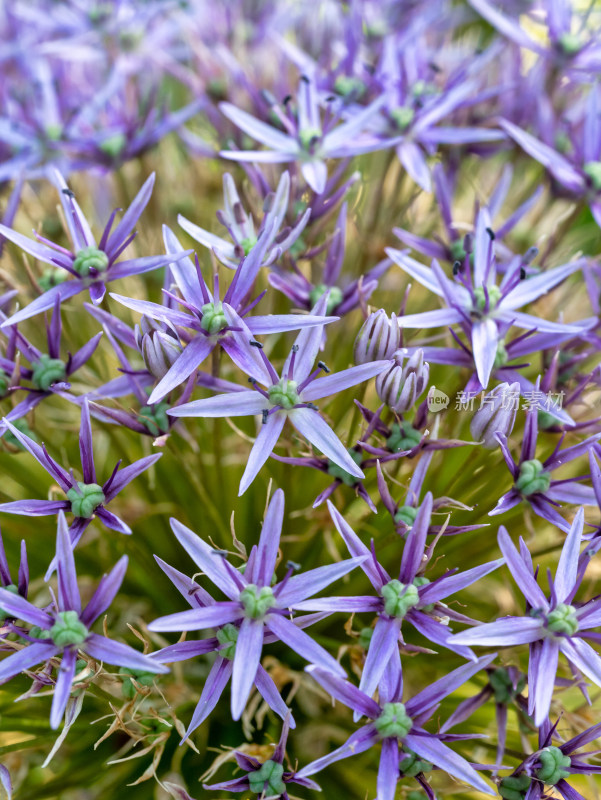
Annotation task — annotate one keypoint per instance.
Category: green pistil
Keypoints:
(54, 132)
(570, 43)
(13, 590)
(128, 690)
(554, 765)
(308, 137)
(338, 472)
(155, 418)
(406, 514)
(422, 88)
(256, 602)
(412, 765)
(402, 117)
(347, 85)
(563, 620)
(501, 357)
(563, 143)
(38, 633)
(267, 780)
(68, 629)
(502, 686)
(457, 250)
(532, 478)
(403, 436)
(421, 581)
(47, 371)
(228, 636)
(365, 637)
(248, 244)
(113, 145)
(52, 277)
(284, 394)
(399, 598)
(393, 721)
(546, 419)
(4, 382)
(334, 299)
(514, 787)
(494, 295)
(90, 258)
(213, 318)
(593, 171)
(85, 499)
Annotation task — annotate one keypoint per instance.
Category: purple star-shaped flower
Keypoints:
(256, 606)
(64, 628)
(552, 626)
(91, 264)
(85, 499)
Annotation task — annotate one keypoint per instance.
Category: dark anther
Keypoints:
(239, 251)
(468, 242)
(295, 348)
(457, 267)
(305, 78)
(293, 565)
(253, 381)
(68, 192)
(530, 254)
(434, 67)
(265, 415)
(239, 214)
(312, 406)
(491, 233)
(254, 343)
(287, 99)
(522, 274)
(330, 98)
(323, 366)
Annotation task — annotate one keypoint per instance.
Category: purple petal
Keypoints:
(266, 440)
(112, 521)
(437, 691)
(502, 633)
(339, 381)
(191, 358)
(233, 404)
(212, 690)
(301, 643)
(431, 749)
(127, 474)
(454, 583)
(46, 301)
(35, 508)
(20, 608)
(300, 587)
(582, 655)
(85, 444)
(485, 338)
(311, 425)
(542, 691)
(197, 619)
(356, 547)
(358, 742)
(520, 572)
(105, 593)
(131, 216)
(415, 542)
(345, 692)
(62, 690)
(120, 655)
(26, 658)
(567, 569)
(269, 541)
(269, 692)
(388, 771)
(383, 642)
(246, 662)
(68, 591)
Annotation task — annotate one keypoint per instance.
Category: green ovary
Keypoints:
(494, 295)
(532, 478)
(347, 85)
(399, 598)
(365, 637)
(570, 43)
(114, 145)
(268, 779)
(393, 721)
(256, 602)
(334, 299)
(90, 258)
(502, 686)
(412, 764)
(13, 590)
(47, 371)
(514, 787)
(68, 629)
(554, 765)
(284, 394)
(501, 357)
(85, 499)
(213, 318)
(402, 117)
(227, 636)
(248, 244)
(155, 418)
(52, 277)
(406, 514)
(563, 620)
(593, 171)
(338, 472)
(308, 136)
(403, 437)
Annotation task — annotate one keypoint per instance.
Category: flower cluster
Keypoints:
(294, 350)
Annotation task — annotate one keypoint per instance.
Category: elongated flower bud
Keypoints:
(496, 414)
(401, 384)
(378, 338)
(158, 346)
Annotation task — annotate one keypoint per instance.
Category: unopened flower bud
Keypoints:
(379, 337)
(158, 346)
(401, 384)
(496, 414)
